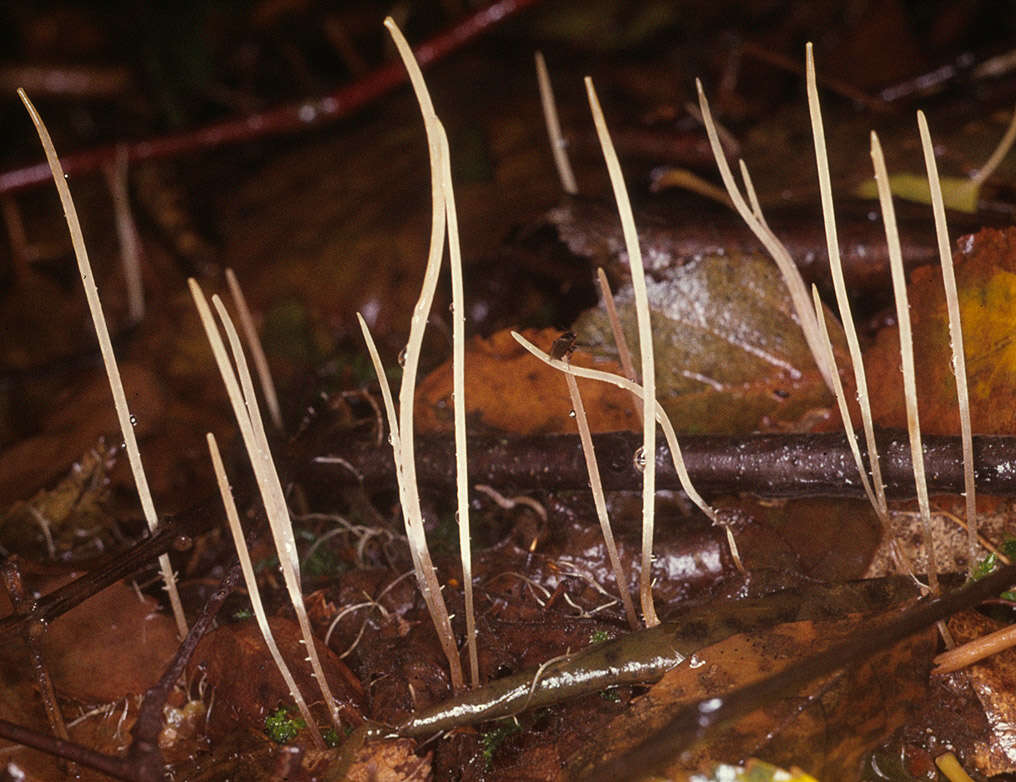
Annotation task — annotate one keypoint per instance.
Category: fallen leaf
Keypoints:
(236, 662)
(730, 355)
(986, 280)
(826, 729)
(509, 390)
(994, 682)
(116, 642)
(390, 761)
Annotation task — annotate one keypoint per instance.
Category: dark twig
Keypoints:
(117, 768)
(122, 564)
(693, 721)
(283, 119)
(10, 572)
(766, 465)
(144, 754)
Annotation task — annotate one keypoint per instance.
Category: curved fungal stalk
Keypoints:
(906, 353)
(558, 143)
(257, 352)
(459, 405)
(645, 332)
(123, 413)
(254, 593)
(248, 418)
(840, 289)
(599, 501)
(659, 415)
(788, 269)
(127, 233)
(749, 189)
(623, 353)
(996, 158)
(955, 338)
(841, 401)
(443, 215)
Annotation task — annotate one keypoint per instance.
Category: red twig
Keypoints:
(282, 119)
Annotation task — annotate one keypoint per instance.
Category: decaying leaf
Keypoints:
(986, 279)
(994, 682)
(49, 523)
(235, 661)
(731, 356)
(390, 761)
(508, 390)
(825, 729)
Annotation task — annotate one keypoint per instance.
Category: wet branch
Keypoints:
(765, 465)
(144, 754)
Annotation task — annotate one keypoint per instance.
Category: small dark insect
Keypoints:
(563, 346)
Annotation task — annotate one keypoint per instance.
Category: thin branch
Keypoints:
(764, 465)
(291, 118)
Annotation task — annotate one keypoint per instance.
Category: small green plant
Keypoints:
(494, 738)
(283, 728)
(599, 636)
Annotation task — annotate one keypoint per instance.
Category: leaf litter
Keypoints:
(556, 596)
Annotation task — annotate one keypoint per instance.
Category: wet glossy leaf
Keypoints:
(825, 729)
(730, 355)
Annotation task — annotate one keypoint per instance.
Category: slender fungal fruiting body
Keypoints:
(123, 414)
(645, 333)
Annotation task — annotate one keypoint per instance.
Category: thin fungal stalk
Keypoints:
(659, 414)
(599, 500)
(906, 353)
(993, 162)
(645, 333)
(749, 189)
(955, 338)
(840, 289)
(240, 389)
(788, 269)
(459, 406)
(127, 234)
(623, 353)
(254, 593)
(257, 352)
(841, 400)
(413, 514)
(123, 413)
(558, 143)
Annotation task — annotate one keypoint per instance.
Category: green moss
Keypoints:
(599, 636)
(281, 727)
(494, 738)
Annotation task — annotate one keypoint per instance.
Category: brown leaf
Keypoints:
(986, 280)
(390, 761)
(994, 682)
(509, 390)
(825, 539)
(247, 684)
(825, 729)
